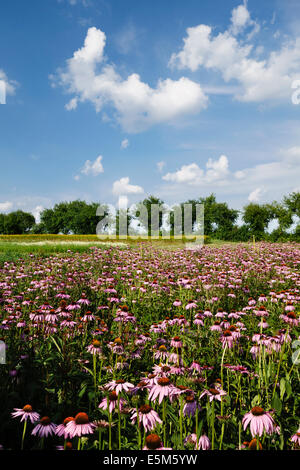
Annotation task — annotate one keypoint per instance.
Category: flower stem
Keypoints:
(23, 435)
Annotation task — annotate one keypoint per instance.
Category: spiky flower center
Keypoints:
(189, 398)
(163, 381)
(253, 445)
(120, 381)
(67, 420)
(81, 418)
(214, 391)
(113, 396)
(27, 408)
(227, 333)
(153, 441)
(257, 411)
(96, 343)
(45, 421)
(145, 409)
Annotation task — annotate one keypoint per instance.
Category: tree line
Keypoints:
(220, 221)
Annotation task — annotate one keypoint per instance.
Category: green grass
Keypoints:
(15, 246)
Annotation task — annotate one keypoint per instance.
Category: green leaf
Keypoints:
(276, 403)
(282, 387)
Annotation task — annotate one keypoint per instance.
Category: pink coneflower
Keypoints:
(80, 426)
(214, 394)
(147, 417)
(61, 429)
(191, 304)
(290, 318)
(176, 342)
(116, 346)
(95, 347)
(45, 428)
(227, 339)
(177, 303)
(26, 413)
(175, 358)
(153, 442)
(162, 369)
(195, 366)
(162, 388)
(83, 300)
(111, 402)
(204, 443)
(216, 326)
(262, 298)
(296, 438)
(119, 386)
(261, 312)
(259, 421)
(161, 353)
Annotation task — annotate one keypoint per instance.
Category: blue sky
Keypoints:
(115, 100)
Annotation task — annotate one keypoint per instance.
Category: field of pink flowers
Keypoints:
(144, 348)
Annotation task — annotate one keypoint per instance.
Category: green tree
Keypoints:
(18, 222)
(257, 217)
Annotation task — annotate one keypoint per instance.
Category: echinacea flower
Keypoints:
(112, 402)
(162, 388)
(204, 442)
(61, 429)
(259, 421)
(214, 394)
(153, 442)
(45, 428)
(26, 413)
(80, 426)
(296, 438)
(119, 386)
(147, 417)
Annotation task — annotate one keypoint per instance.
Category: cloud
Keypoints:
(124, 144)
(240, 18)
(122, 187)
(232, 57)
(269, 180)
(135, 105)
(194, 175)
(93, 168)
(5, 206)
(7, 87)
(255, 195)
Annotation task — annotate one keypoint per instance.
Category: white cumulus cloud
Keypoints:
(134, 104)
(123, 187)
(235, 59)
(192, 174)
(93, 168)
(255, 195)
